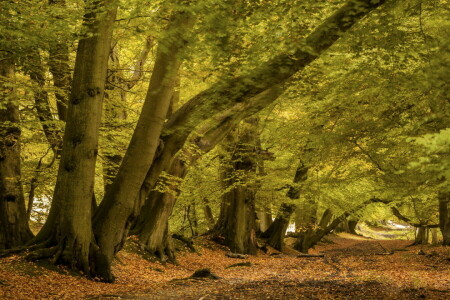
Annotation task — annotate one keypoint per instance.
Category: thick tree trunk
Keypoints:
(67, 234)
(434, 236)
(121, 204)
(14, 230)
(154, 235)
(237, 220)
(444, 217)
(277, 230)
(152, 226)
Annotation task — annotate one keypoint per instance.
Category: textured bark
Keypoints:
(152, 226)
(121, 204)
(67, 235)
(14, 230)
(277, 230)
(237, 220)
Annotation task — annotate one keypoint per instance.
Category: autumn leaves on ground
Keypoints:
(352, 267)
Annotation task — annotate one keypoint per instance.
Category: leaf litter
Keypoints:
(352, 268)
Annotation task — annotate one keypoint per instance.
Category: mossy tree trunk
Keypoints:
(14, 230)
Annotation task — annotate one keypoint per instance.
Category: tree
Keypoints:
(14, 230)
(67, 235)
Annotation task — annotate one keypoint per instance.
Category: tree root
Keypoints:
(42, 253)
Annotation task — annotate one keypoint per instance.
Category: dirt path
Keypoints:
(352, 268)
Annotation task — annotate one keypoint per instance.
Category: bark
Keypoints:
(277, 230)
(237, 220)
(152, 226)
(444, 217)
(67, 235)
(121, 205)
(14, 230)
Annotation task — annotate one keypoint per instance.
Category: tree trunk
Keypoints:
(264, 218)
(347, 226)
(444, 217)
(434, 236)
(67, 234)
(277, 230)
(421, 237)
(237, 220)
(154, 232)
(207, 211)
(310, 236)
(14, 230)
(152, 226)
(121, 204)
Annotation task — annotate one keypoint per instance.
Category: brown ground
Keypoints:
(351, 269)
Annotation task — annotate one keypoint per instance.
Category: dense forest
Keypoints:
(146, 122)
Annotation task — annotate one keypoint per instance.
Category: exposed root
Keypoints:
(42, 253)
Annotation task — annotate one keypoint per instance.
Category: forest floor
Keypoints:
(353, 267)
